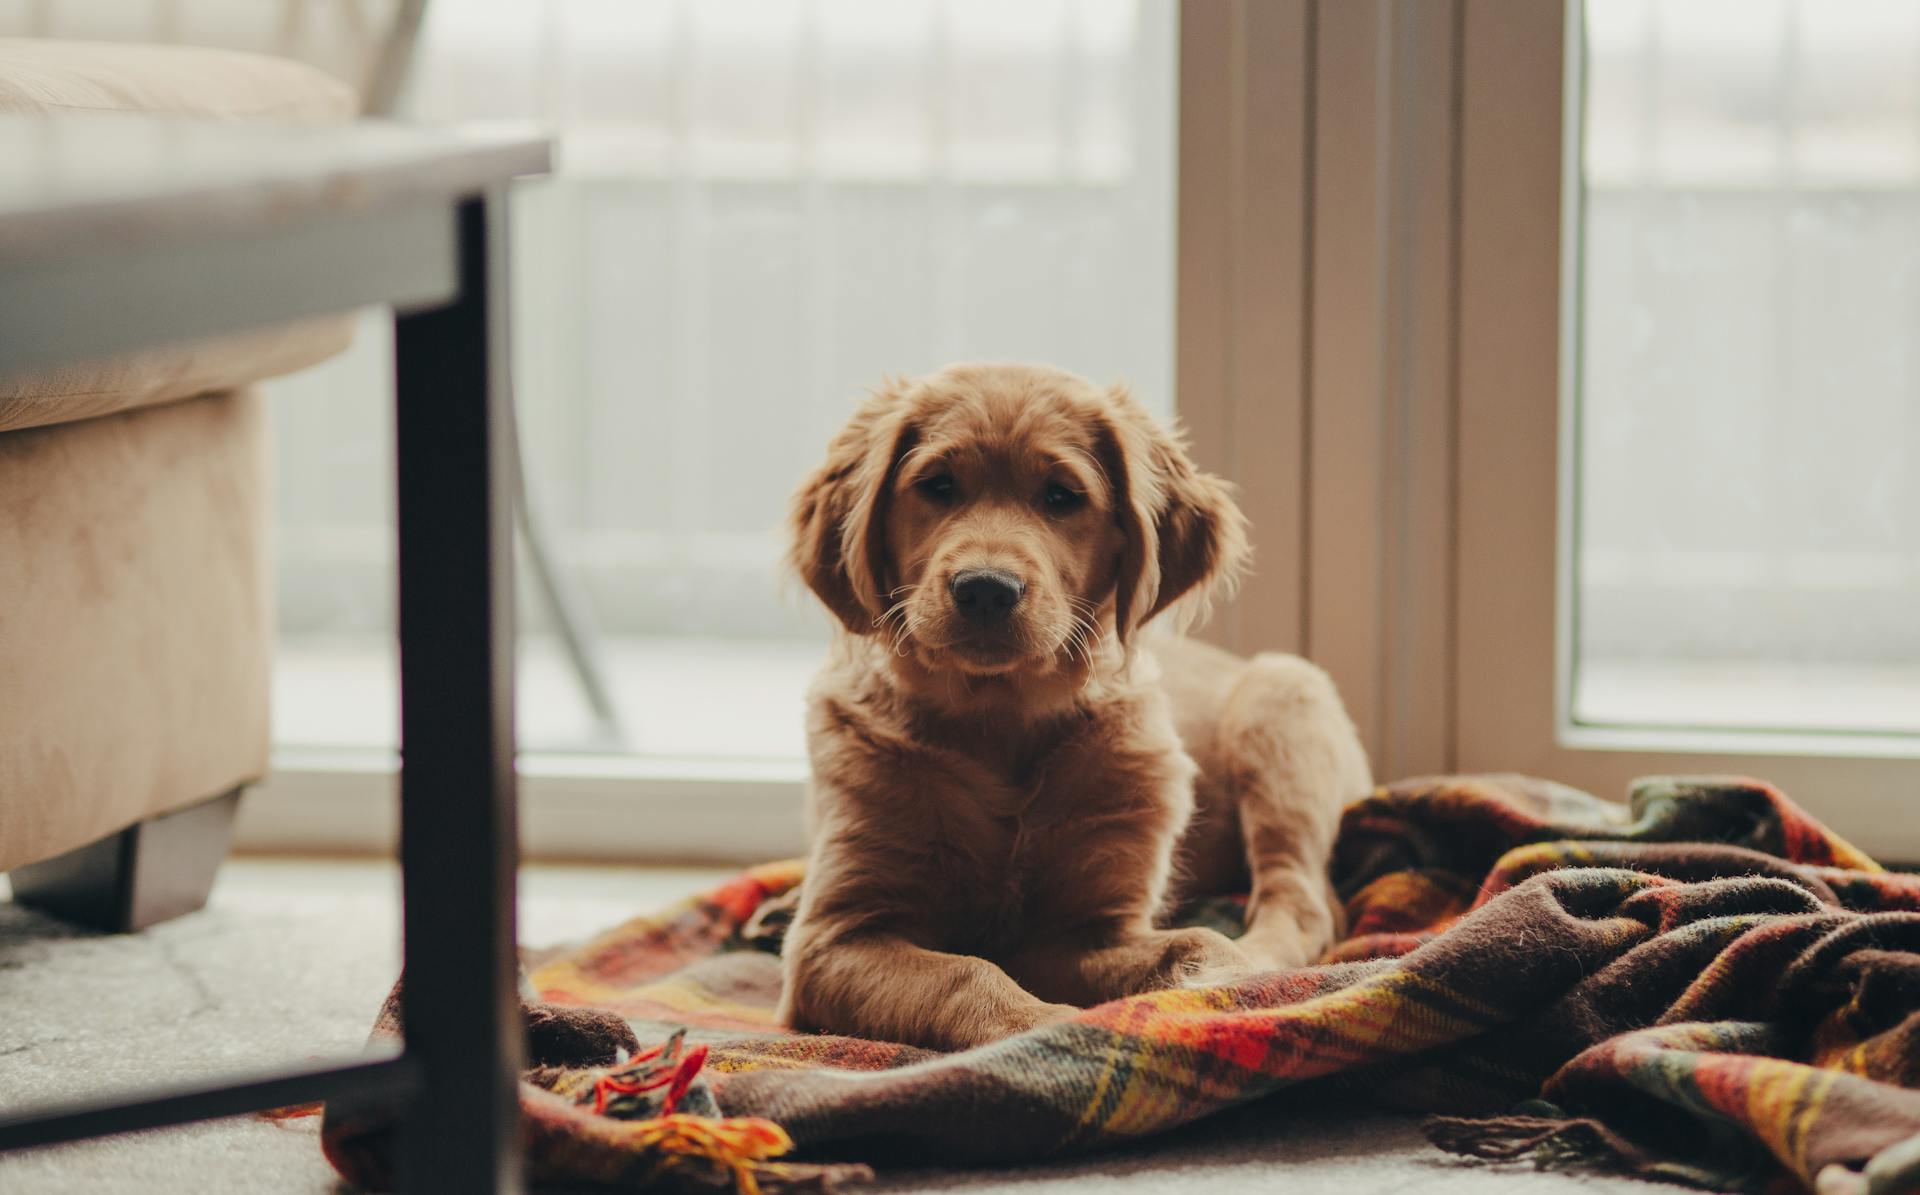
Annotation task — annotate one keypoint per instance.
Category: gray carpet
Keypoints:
(292, 958)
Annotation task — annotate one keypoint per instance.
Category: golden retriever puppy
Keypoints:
(1011, 783)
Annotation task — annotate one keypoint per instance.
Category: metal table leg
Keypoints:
(458, 842)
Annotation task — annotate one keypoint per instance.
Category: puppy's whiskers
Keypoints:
(1087, 632)
(1083, 606)
(1074, 643)
(901, 617)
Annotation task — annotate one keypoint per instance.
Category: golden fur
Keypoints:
(1000, 811)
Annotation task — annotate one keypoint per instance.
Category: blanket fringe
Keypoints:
(652, 1093)
(738, 1145)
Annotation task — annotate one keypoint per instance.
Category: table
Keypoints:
(118, 232)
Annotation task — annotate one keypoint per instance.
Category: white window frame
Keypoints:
(1315, 349)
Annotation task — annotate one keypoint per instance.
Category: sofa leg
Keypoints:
(147, 873)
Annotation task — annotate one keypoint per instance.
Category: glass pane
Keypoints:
(1748, 410)
(760, 210)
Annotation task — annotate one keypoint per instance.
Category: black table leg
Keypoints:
(458, 825)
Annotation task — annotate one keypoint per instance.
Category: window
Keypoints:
(1747, 387)
(1562, 355)
(759, 210)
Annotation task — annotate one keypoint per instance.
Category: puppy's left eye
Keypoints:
(1059, 497)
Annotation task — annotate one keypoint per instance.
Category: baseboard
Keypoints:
(613, 809)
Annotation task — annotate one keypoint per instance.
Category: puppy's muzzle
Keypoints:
(985, 596)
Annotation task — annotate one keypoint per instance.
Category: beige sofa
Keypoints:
(136, 611)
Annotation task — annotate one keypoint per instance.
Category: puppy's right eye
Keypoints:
(939, 487)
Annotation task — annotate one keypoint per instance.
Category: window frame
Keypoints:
(1519, 189)
(1393, 399)
(1315, 355)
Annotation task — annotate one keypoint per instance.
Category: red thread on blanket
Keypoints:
(676, 1081)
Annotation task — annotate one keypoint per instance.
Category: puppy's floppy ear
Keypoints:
(838, 515)
(1184, 536)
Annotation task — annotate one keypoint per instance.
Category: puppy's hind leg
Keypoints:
(1148, 961)
(1291, 760)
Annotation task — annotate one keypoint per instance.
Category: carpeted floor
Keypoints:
(292, 958)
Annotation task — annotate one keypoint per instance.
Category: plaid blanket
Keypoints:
(1704, 985)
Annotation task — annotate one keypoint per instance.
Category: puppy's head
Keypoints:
(998, 520)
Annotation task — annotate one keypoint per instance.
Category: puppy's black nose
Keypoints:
(985, 594)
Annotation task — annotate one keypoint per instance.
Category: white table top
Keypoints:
(87, 182)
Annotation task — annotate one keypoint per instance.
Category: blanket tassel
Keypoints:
(738, 1146)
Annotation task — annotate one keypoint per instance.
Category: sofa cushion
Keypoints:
(41, 77)
(88, 389)
(38, 76)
